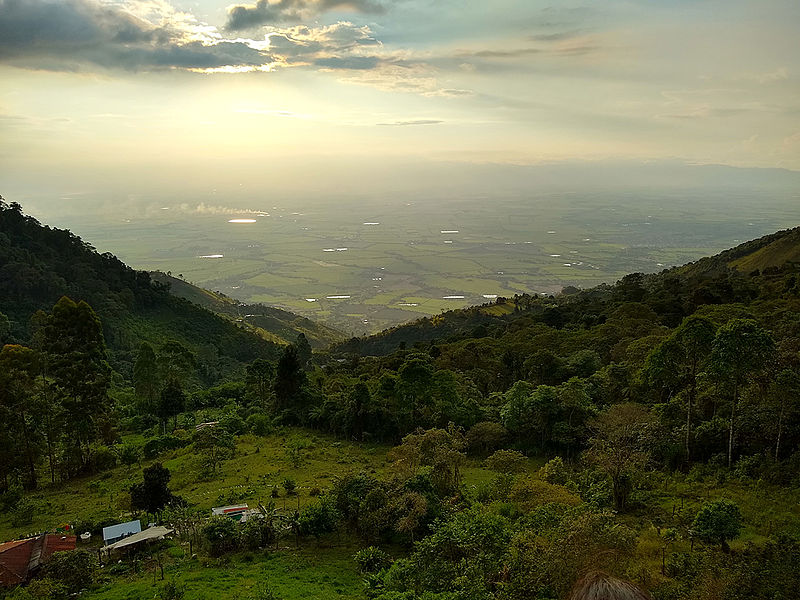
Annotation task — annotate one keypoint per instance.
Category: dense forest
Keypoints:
(623, 393)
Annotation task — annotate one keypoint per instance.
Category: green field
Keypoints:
(504, 245)
(307, 569)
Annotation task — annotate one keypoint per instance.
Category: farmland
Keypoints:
(363, 264)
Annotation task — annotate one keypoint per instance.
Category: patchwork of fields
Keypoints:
(364, 264)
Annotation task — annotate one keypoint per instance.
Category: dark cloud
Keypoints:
(247, 16)
(71, 34)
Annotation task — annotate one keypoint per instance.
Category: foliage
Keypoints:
(507, 461)
(152, 494)
(718, 522)
(371, 559)
(75, 570)
(221, 535)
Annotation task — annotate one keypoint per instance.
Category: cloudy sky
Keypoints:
(118, 92)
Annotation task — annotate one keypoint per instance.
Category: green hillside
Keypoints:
(673, 294)
(274, 324)
(40, 264)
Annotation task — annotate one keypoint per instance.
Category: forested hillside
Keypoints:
(40, 264)
(642, 436)
(742, 274)
(268, 321)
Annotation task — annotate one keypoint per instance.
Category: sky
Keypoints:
(156, 96)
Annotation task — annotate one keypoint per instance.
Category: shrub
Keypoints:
(75, 570)
(128, 454)
(221, 535)
(10, 498)
(555, 471)
(530, 493)
(23, 513)
(507, 461)
(718, 522)
(275, 493)
(371, 559)
(319, 518)
(256, 533)
(171, 591)
(259, 424)
(314, 491)
(104, 458)
(262, 591)
(289, 485)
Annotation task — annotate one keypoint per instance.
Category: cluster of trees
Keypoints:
(54, 401)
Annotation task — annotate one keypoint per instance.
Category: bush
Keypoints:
(257, 533)
(289, 485)
(314, 492)
(23, 513)
(371, 559)
(221, 535)
(262, 591)
(155, 446)
(128, 454)
(103, 459)
(319, 518)
(75, 570)
(718, 522)
(530, 493)
(10, 498)
(171, 591)
(275, 493)
(45, 588)
(507, 461)
(555, 471)
(259, 424)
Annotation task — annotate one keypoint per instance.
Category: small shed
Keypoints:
(151, 534)
(114, 533)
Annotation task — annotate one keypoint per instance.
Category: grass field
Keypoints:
(502, 245)
(326, 570)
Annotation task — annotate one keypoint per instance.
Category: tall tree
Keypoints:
(259, 380)
(620, 446)
(741, 348)
(146, 381)
(678, 360)
(303, 350)
(289, 379)
(18, 371)
(72, 338)
(171, 403)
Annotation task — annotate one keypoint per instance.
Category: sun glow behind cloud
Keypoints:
(189, 90)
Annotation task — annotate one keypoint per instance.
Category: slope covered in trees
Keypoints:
(40, 264)
(738, 275)
(268, 321)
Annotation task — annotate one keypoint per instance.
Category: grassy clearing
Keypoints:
(309, 573)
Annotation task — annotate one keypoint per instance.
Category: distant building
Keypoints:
(237, 512)
(201, 426)
(20, 559)
(114, 533)
(149, 535)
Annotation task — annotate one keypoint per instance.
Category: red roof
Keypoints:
(20, 557)
(57, 543)
(14, 560)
